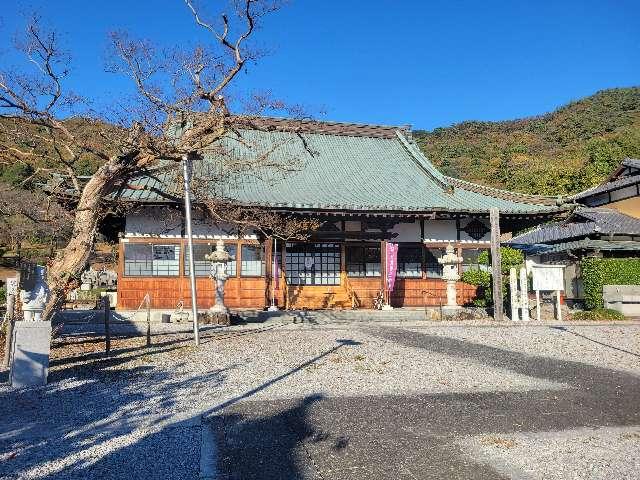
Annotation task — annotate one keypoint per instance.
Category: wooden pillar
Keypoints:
(496, 264)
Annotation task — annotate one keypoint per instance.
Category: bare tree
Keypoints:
(181, 109)
(30, 216)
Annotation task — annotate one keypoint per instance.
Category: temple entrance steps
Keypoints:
(331, 316)
(314, 297)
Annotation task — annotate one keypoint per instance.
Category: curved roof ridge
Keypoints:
(323, 127)
(505, 194)
(424, 164)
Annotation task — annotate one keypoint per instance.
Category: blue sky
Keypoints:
(424, 63)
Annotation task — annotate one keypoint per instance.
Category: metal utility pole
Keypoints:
(496, 264)
(186, 171)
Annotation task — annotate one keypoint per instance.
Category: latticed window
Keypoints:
(432, 267)
(150, 260)
(363, 260)
(409, 261)
(202, 266)
(313, 263)
(252, 261)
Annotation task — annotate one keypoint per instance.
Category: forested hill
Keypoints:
(568, 150)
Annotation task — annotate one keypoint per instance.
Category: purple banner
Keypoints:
(392, 265)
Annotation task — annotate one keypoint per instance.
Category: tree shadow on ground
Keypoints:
(420, 435)
(113, 418)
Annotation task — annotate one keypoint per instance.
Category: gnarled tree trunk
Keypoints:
(65, 269)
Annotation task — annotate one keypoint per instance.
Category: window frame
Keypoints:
(363, 263)
(419, 247)
(239, 260)
(334, 261)
(151, 245)
(227, 243)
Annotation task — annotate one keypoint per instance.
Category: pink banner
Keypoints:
(392, 265)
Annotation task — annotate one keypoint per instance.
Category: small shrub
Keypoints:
(482, 280)
(3, 294)
(509, 257)
(598, 314)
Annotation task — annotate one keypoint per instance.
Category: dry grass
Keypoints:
(495, 441)
(630, 436)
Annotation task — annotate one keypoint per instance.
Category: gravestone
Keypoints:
(30, 352)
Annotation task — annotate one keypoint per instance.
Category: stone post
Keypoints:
(219, 258)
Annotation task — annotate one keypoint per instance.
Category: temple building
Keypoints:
(604, 223)
(366, 185)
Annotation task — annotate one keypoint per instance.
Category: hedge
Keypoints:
(598, 314)
(482, 279)
(597, 272)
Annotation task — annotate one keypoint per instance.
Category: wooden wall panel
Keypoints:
(167, 293)
(418, 292)
(365, 289)
(255, 292)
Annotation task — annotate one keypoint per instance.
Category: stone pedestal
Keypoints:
(30, 352)
(450, 262)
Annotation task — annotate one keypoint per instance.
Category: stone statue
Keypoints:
(219, 258)
(450, 262)
(34, 294)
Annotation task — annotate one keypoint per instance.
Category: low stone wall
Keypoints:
(622, 298)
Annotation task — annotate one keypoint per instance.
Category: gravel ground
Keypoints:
(138, 414)
(593, 453)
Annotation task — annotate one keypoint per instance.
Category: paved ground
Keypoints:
(369, 401)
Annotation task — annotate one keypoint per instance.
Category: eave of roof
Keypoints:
(584, 244)
(601, 221)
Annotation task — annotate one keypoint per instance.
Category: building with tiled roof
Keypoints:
(366, 184)
(606, 224)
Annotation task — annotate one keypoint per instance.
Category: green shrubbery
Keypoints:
(510, 257)
(597, 272)
(3, 294)
(482, 278)
(598, 314)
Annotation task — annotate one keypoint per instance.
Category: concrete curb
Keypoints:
(208, 453)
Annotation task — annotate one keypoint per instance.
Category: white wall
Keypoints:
(440, 230)
(407, 232)
(164, 222)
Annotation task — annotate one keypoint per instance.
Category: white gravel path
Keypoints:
(146, 404)
(587, 453)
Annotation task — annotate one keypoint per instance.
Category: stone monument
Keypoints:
(219, 258)
(31, 341)
(450, 262)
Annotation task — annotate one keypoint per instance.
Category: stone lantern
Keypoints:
(450, 262)
(219, 258)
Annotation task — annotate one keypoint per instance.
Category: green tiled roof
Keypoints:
(348, 170)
